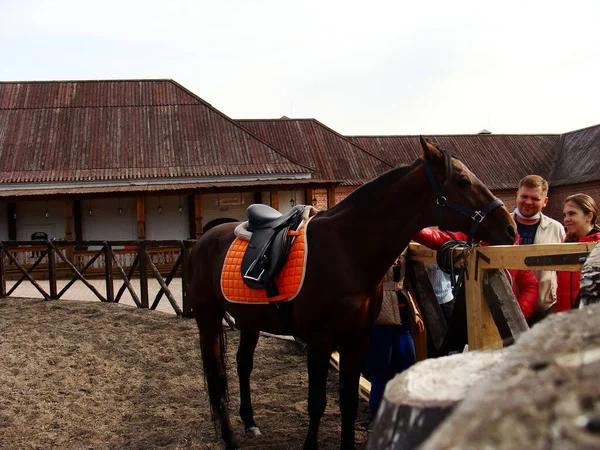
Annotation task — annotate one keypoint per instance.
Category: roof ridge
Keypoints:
(101, 106)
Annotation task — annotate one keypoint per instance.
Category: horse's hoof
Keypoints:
(253, 432)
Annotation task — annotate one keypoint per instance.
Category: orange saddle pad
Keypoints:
(288, 280)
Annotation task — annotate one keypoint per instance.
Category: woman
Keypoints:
(580, 213)
(392, 349)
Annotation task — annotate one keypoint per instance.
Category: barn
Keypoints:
(148, 159)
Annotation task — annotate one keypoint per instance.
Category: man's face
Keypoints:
(530, 201)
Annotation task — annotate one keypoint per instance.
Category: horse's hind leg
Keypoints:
(318, 366)
(245, 363)
(212, 346)
(351, 363)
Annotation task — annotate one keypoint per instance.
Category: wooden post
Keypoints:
(330, 196)
(308, 196)
(198, 198)
(52, 272)
(11, 212)
(274, 194)
(108, 270)
(185, 276)
(482, 331)
(68, 214)
(2, 276)
(143, 264)
(141, 218)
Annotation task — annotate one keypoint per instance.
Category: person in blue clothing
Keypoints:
(391, 349)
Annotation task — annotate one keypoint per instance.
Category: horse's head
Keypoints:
(463, 202)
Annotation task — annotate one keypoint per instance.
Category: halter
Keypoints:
(441, 200)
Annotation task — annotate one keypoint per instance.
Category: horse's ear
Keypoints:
(430, 151)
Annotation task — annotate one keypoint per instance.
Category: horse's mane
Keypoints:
(381, 182)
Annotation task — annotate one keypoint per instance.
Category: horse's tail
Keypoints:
(209, 313)
(213, 345)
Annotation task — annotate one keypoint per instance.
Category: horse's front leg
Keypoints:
(352, 357)
(318, 366)
(245, 363)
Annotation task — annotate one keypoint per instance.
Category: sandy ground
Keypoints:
(91, 375)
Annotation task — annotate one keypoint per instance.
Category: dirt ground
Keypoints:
(91, 375)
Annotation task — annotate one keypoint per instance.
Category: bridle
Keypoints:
(442, 202)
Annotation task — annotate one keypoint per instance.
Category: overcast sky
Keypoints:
(370, 67)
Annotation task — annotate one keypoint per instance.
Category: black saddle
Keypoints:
(269, 245)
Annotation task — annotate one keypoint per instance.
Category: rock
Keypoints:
(544, 394)
(416, 401)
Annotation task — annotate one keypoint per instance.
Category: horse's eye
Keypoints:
(464, 181)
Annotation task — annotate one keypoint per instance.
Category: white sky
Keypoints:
(374, 67)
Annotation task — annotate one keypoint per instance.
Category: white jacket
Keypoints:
(549, 231)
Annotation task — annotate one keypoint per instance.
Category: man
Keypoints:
(536, 228)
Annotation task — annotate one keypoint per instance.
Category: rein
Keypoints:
(442, 202)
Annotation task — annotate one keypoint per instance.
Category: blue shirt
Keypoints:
(527, 233)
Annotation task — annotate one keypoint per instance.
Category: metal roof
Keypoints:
(579, 158)
(68, 131)
(331, 155)
(499, 160)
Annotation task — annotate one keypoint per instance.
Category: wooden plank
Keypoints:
(126, 283)
(22, 269)
(185, 275)
(108, 272)
(364, 386)
(76, 277)
(165, 289)
(143, 263)
(2, 277)
(481, 329)
(78, 274)
(418, 252)
(513, 256)
(503, 305)
(52, 250)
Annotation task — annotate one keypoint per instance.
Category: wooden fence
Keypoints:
(482, 330)
(163, 260)
(111, 260)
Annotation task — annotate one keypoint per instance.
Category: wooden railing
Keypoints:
(111, 260)
(482, 330)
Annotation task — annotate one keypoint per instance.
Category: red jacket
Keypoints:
(568, 282)
(524, 283)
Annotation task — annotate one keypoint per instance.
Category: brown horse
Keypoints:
(351, 246)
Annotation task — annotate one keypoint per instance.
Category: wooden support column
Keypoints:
(482, 331)
(68, 214)
(330, 196)
(308, 196)
(11, 213)
(198, 198)
(141, 217)
(274, 194)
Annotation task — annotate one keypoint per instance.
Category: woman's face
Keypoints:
(577, 222)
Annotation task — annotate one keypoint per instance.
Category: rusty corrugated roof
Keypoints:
(160, 187)
(579, 158)
(499, 160)
(65, 131)
(331, 155)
